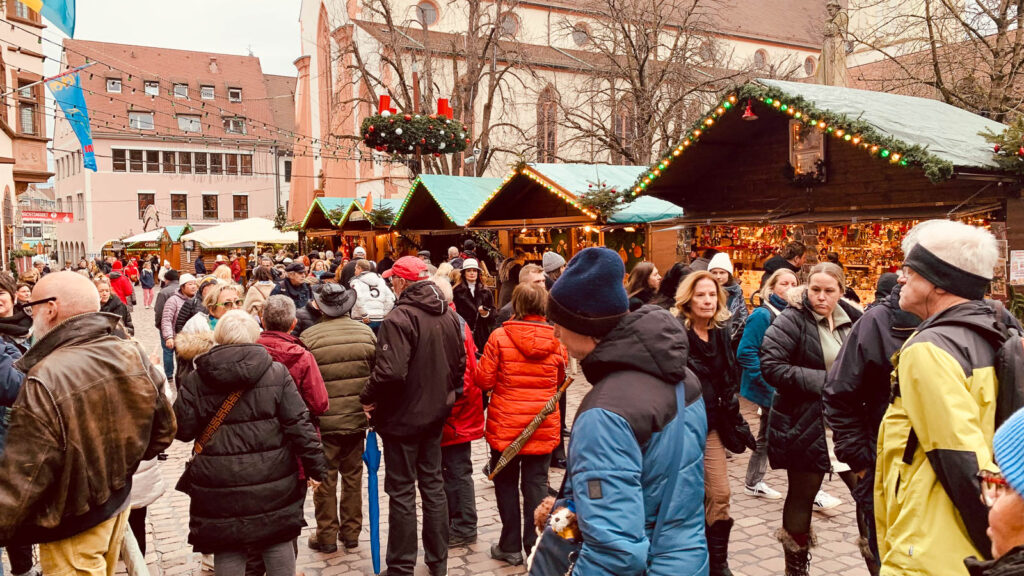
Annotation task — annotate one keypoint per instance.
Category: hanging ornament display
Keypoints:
(430, 133)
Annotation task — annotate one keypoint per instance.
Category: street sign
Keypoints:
(59, 217)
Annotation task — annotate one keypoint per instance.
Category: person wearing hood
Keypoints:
(642, 284)
(420, 363)
(196, 337)
(553, 264)
(752, 386)
(344, 352)
(194, 305)
(523, 365)
(701, 308)
(120, 283)
(373, 297)
(883, 289)
(475, 302)
(113, 305)
(721, 269)
(259, 291)
(294, 285)
(797, 351)
(246, 494)
(638, 439)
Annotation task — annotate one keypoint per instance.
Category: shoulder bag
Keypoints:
(185, 482)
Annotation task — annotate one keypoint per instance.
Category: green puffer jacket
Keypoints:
(344, 350)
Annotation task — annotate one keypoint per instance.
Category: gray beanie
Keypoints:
(552, 261)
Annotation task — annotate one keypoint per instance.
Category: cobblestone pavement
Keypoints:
(753, 549)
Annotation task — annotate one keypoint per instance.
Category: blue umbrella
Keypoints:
(371, 455)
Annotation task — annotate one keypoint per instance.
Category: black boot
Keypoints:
(718, 547)
(869, 557)
(798, 558)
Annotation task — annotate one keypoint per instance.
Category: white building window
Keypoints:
(152, 88)
(21, 10)
(234, 125)
(140, 120)
(189, 123)
(426, 13)
(206, 92)
(235, 94)
(181, 90)
(114, 85)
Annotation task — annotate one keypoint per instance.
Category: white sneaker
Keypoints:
(761, 490)
(825, 501)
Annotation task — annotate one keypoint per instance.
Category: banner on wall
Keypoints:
(67, 91)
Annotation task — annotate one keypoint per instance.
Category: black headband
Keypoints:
(946, 276)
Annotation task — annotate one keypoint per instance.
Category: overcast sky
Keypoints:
(270, 28)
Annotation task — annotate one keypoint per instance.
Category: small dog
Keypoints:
(562, 520)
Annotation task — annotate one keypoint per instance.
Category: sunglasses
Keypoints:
(993, 485)
(231, 303)
(28, 305)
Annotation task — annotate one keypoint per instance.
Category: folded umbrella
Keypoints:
(371, 456)
(510, 452)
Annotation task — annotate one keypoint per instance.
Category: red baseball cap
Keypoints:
(408, 268)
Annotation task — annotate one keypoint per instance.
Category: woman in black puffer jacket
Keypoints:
(246, 493)
(797, 351)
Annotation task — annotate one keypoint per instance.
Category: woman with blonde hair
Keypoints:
(223, 273)
(196, 337)
(797, 351)
(701, 307)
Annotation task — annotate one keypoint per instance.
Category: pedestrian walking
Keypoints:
(81, 530)
(147, 282)
(465, 424)
(187, 288)
(194, 305)
(345, 273)
(529, 274)
(721, 270)
(278, 321)
(171, 276)
(797, 351)
(701, 307)
(373, 297)
(294, 285)
(752, 385)
(642, 284)
(508, 277)
(344, 351)
(113, 305)
(200, 266)
(523, 365)
(792, 257)
(666, 297)
(22, 293)
(638, 439)
(15, 323)
(935, 436)
(420, 363)
(120, 284)
(196, 337)
(553, 265)
(259, 291)
(474, 302)
(248, 469)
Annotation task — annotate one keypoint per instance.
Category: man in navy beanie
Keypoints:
(637, 443)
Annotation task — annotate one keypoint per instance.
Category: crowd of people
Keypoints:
(275, 366)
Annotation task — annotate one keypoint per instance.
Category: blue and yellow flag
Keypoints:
(60, 12)
(68, 93)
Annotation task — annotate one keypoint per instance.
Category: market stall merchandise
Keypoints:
(842, 170)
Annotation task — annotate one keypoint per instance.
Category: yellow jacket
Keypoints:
(927, 500)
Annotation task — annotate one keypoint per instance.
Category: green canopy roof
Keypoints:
(646, 209)
(326, 204)
(175, 232)
(578, 178)
(457, 196)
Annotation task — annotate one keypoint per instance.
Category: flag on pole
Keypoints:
(60, 12)
(67, 92)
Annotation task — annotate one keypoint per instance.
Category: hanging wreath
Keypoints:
(405, 133)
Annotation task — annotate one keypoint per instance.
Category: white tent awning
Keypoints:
(151, 236)
(242, 233)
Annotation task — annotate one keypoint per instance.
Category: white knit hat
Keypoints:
(720, 260)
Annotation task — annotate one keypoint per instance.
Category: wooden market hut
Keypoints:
(358, 227)
(319, 228)
(434, 213)
(538, 208)
(775, 155)
(163, 241)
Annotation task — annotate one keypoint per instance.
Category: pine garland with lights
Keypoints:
(405, 133)
(854, 131)
(1008, 145)
(604, 200)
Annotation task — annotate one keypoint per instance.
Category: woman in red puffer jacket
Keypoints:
(523, 365)
(465, 423)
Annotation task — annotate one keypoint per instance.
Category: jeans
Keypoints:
(758, 464)
(408, 462)
(528, 475)
(279, 560)
(344, 454)
(168, 362)
(93, 552)
(457, 467)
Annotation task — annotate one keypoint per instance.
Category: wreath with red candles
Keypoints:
(411, 133)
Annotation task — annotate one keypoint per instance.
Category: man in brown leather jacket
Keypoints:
(87, 414)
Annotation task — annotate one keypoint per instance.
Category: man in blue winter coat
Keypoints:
(636, 455)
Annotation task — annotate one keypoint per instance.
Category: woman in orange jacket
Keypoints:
(523, 365)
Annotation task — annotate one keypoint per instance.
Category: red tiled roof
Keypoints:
(134, 64)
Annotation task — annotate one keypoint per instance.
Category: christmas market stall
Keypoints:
(166, 242)
(319, 229)
(845, 171)
(250, 235)
(434, 213)
(367, 223)
(568, 207)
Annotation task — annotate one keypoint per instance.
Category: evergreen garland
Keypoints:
(405, 133)
(1008, 145)
(604, 200)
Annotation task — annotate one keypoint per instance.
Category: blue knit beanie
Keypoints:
(589, 297)
(1008, 446)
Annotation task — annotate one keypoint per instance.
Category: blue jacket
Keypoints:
(10, 384)
(146, 279)
(752, 385)
(644, 405)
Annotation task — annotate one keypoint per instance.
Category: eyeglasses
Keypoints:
(993, 485)
(28, 305)
(231, 303)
